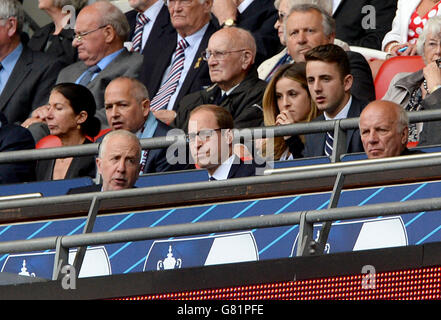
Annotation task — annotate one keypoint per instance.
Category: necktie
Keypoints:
(212, 179)
(328, 143)
(168, 88)
(89, 74)
(284, 60)
(141, 21)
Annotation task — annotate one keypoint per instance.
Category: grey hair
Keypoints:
(305, 6)
(403, 119)
(12, 8)
(124, 133)
(432, 26)
(112, 15)
(77, 4)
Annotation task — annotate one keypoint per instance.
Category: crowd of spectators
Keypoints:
(206, 67)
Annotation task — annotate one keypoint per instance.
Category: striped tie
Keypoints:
(141, 21)
(168, 88)
(328, 143)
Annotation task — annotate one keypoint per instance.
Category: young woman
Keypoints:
(287, 101)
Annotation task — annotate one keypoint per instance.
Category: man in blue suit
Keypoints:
(329, 78)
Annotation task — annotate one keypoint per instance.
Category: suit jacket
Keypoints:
(241, 169)
(350, 16)
(85, 189)
(29, 84)
(14, 137)
(157, 60)
(162, 23)
(125, 64)
(315, 142)
(244, 102)
(363, 86)
(259, 18)
(79, 167)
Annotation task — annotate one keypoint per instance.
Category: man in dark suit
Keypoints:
(118, 163)
(127, 107)
(14, 137)
(26, 77)
(210, 134)
(384, 130)
(364, 23)
(308, 26)
(330, 81)
(256, 16)
(230, 56)
(157, 18)
(190, 22)
(100, 32)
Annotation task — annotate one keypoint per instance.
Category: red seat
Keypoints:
(393, 66)
(100, 134)
(49, 141)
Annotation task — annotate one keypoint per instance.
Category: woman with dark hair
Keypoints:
(56, 37)
(287, 101)
(70, 117)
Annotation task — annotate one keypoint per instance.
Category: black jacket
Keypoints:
(244, 102)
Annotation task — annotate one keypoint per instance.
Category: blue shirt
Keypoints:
(103, 63)
(8, 64)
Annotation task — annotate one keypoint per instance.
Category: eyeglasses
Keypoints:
(172, 3)
(81, 35)
(204, 135)
(218, 55)
(281, 16)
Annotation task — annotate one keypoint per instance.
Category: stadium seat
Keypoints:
(100, 134)
(49, 141)
(393, 66)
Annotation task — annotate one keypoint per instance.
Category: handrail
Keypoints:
(163, 142)
(319, 177)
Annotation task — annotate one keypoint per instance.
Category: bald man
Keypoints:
(236, 86)
(384, 130)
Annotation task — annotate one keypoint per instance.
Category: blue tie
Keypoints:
(328, 143)
(89, 74)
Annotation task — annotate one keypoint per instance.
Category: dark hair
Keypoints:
(223, 116)
(81, 99)
(330, 53)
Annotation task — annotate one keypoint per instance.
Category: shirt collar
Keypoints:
(153, 11)
(104, 62)
(195, 37)
(244, 5)
(343, 114)
(221, 173)
(11, 59)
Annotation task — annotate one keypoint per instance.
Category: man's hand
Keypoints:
(166, 116)
(38, 115)
(224, 9)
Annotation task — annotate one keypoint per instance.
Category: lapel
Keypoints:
(354, 112)
(197, 64)
(21, 70)
(161, 25)
(339, 8)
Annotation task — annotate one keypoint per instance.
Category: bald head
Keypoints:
(383, 129)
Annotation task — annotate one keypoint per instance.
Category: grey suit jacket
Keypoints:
(125, 64)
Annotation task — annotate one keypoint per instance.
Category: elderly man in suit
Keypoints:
(175, 68)
(118, 163)
(330, 81)
(147, 21)
(26, 76)
(100, 32)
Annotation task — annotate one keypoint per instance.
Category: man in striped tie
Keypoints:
(147, 21)
(330, 81)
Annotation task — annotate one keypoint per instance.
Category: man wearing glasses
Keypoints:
(237, 88)
(100, 32)
(169, 76)
(210, 137)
